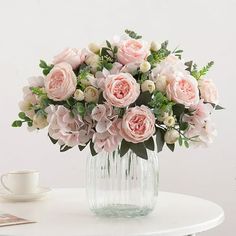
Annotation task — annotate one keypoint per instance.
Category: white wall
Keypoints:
(38, 29)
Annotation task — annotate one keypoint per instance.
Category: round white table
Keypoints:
(65, 212)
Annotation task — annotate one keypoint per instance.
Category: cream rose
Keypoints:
(132, 50)
(72, 56)
(39, 121)
(148, 85)
(138, 124)
(121, 90)
(171, 136)
(208, 91)
(183, 89)
(61, 82)
(91, 94)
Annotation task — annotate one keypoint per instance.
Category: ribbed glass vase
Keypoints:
(122, 186)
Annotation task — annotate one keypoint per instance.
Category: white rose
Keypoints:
(86, 81)
(155, 46)
(148, 85)
(162, 117)
(171, 136)
(79, 95)
(161, 83)
(169, 121)
(91, 94)
(39, 121)
(145, 66)
(93, 61)
(93, 47)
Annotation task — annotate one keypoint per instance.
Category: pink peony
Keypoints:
(67, 129)
(183, 89)
(121, 90)
(208, 91)
(138, 124)
(132, 50)
(61, 82)
(72, 56)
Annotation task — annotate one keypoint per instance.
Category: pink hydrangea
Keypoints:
(68, 130)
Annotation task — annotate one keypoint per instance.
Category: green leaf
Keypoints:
(64, 148)
(54, 141)
(160, 139)
(171, 146)
(150, 144)
(101, 99)
(218, 107)
(78, 108)
(22, 115)
(17, 123)
(178, 110)
(186, 144)
(180, 140)
(108, 44)
(115, 50)
(189, 65)
(92, 150)
(30, 123)
(144, 99)
(43, 64)
(81, 148)
(139, 149)
(132, 34)
(183, 125)
(125, 146)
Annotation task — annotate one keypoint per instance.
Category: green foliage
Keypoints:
(160, 139)
(64, 148)
(107, 56)
(78, 109)
(177, 52)
(197, 74)
(54, 141)
(124, 147)
(158, 56)
(139, 149)
(217, 107)
(171, 146)
(149, 144)
(46, 68)
(38, 91)
(92, 150)
(24, 119)
(144, 98)
(161, 104)
(132, 34)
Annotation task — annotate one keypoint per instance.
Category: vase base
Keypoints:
(122, 211)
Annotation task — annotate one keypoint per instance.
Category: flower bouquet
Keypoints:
(118, 95)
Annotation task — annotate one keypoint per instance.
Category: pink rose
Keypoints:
(183, 89)
(138, 124)
(208, 91)
(121, 90)
(72, 56)
(132, 50)
(61, 82)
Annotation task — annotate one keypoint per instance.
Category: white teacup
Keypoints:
(21, 182)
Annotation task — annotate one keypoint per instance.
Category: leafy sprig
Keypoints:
(46, 68)
(197, 74)
(158, 56)
(132, 34)
(23, 119)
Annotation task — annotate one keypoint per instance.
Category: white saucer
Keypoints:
(41, 192)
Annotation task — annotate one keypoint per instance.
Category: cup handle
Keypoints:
(2, 182)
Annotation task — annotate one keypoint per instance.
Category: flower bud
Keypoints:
(162, 117)
(169, 121)
(91, 94)
(145, 66)
(93, 62)
(155, 46)
(40, 121)
(79, 95)
(161, 83)
(148, 85)
(93, 47)
(171, 136)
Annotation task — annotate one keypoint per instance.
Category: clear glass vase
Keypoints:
(122, 186)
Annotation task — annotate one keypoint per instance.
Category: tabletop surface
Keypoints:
(66, 212)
